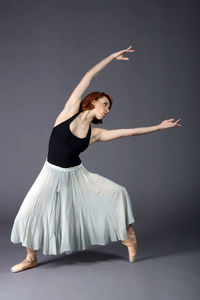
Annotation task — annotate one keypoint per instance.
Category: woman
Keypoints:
(68, 207)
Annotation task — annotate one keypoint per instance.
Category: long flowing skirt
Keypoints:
(68, 209)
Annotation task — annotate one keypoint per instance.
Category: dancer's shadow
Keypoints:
(151, 246)
(86, 256)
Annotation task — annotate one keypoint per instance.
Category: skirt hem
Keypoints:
(67, 252)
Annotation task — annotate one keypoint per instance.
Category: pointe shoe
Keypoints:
(131, 243)
(29, 262)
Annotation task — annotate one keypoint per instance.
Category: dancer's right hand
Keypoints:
(119, 55)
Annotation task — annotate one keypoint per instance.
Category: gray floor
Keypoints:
(167, 267)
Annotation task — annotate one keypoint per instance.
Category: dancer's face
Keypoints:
(102, 107)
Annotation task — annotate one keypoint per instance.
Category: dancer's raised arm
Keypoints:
(75, 98)
(117, 55)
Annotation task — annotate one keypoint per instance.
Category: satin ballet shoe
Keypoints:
(29, 262)
(131, 243)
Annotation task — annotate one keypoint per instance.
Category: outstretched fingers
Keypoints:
(120, 54)
(177, 123)
(129, 50)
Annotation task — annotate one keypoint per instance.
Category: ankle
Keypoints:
(31, 251)
(31, 255)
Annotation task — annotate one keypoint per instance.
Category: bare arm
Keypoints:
(75, 97)
(100, 66)
(102, 135)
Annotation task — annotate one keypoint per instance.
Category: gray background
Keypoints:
(46, 48)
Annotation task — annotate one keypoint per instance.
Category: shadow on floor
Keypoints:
(149, 247)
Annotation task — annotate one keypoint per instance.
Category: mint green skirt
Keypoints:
(68, 209)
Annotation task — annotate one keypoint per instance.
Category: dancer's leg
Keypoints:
(131, 243)
(29, 262)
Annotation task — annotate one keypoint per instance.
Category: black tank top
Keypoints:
(64, 147)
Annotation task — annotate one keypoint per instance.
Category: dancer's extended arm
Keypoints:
(75, 97)
(102, 135)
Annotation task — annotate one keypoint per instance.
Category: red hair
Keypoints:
(86, 103)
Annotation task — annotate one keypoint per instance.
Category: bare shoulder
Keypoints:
(67, 112)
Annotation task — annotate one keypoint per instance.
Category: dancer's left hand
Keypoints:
(169, 123)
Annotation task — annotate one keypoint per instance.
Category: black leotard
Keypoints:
(64, 147)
